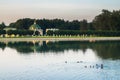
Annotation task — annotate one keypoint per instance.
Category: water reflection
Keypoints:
(61, 60)
(104, 49)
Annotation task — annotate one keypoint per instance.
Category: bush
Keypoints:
(88, 33)
(2, 32)
(20, 32)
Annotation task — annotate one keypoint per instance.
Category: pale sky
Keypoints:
(12, 10)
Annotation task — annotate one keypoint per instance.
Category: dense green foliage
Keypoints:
(2, 32)
(2, 25)
(20, 32)
(22, 23)
(84, 33)
(46, 23)
(107, 21)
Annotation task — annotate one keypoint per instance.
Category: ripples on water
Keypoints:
(60, 61)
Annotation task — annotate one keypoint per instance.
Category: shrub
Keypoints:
(88, 33)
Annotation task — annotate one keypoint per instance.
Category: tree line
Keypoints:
(106, 21)
(54, 23)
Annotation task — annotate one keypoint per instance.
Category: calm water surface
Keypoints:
(63, 60)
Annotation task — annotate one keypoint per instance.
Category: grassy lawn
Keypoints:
(52, 37)
(56, 37)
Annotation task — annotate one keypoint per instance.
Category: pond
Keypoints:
(60, 60)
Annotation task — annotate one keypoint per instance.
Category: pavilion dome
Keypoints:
(34, 26)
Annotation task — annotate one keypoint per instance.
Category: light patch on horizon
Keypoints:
(12, 10)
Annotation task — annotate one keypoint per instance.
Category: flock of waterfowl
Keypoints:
(97, 66)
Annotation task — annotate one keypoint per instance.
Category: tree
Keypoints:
(22, 23)
(107, 20)
(2, 26)
(83, 25)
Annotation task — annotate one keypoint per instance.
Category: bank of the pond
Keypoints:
(90, 39)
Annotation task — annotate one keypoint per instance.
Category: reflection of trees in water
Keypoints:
(2, 45)
(59, 46)
(108, 49)
(23, 47)
(104, 49)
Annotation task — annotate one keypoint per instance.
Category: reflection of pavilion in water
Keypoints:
(40, 43)
(24, 47)
(112, 50)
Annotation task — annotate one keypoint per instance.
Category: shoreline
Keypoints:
(90, 39)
